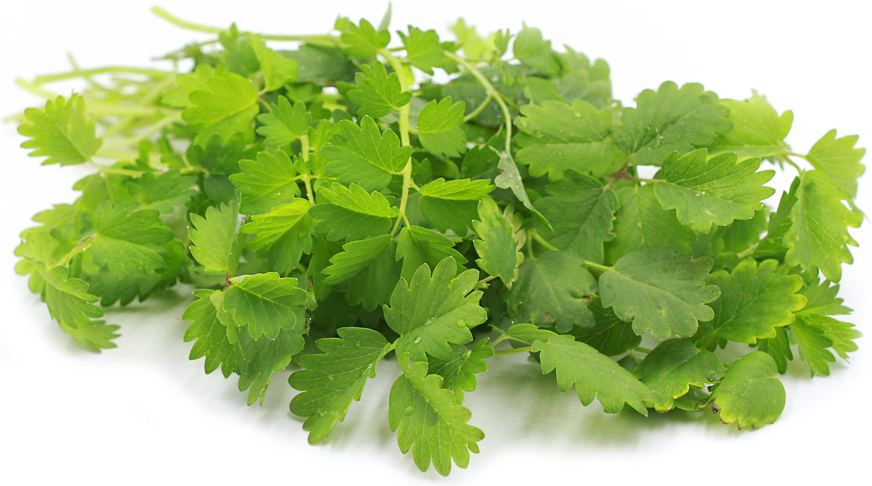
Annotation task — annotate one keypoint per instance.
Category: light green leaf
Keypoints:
(226, 106)
(355, 256)
(423, 49)
(812, 344)
(277, 69)
(164, 191)
(557, 136)
(533, 51)
(267, 304)
(377, 92)
(750, 392)
(352, 213)
(673, 367)
(660, 291)
(838, 158)
(268, 182)
(581, 210)
(755, 300)
(819, 235)
(331, 381)
(366, 156)
(528, 333)
(510, 178)
(822, 300)
(209, 334)
(187, 83)
(459, 372)
(63, 131)
(432, 312)
(270, 227)
(257, 360)
(553, 290)
(593, 375)
(439, 128)
(716, 190)
(499, 247)
(453, 204)
(215, 245)
(128, 241)
(417, 245)
(285, 123)
(363, 40)
(758, 130)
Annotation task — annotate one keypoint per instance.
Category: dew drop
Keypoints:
(417, 339)
(408, 410)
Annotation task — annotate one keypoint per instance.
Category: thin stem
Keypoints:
(304, 141)
(110, 153)
(117, 170)
(535, 235)
(504, 352)
(478, 109)
(406, 79)
(787, 159)
(35, 89)
(487, 279)
(748, 252)
(642, 179)
(170, 119)
(597, 266)
(47, 78)
(642, 350)
(489, 88)
(82, 246)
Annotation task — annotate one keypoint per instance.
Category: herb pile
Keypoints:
(333, 205)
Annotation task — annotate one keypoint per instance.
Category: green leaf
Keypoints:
(510, 178)
(128, 241)
(187, 83)
(377, 92)
(750, 392)
(812, 344)
(499, 247)
(755, 300)
(433, 311)
(842, 334)
(226, 106)
(259, 359)
(778, 348)
(355, 256)
(267, 304)
(218, 157)
(717, 190)
(364, 155)
(533, 51)
(838, 158)
(352, 213)
(673, 367)
(285, 123)
(209, 334)
(164, 191)
(439, 128)
(593, 375)
(822, 300)
(62, 131)
(277, 69)
(758, 130)
(609, 335)
(215, 244)
(819, 235)
(268, 182)
(282, 235)
(557, 136)
(660, 291)
(668, 120)
(417, 245)
(553, 290)
(641, 223)
(453, 204)
(363, 40)
(430, 422)
(458, 373)
(423, 49)
(581, 210)
(332, 380)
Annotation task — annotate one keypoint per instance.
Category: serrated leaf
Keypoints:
(355, 256)
(750, 392)
(641, 223)
(267, 182)
(593, 375)
(670, 119)
(209, 334)
(226, 106)
(528, 333)
(498, 249)
(778, 348)
(363, 40)
(364, 155)
(423, 49)
(758, 130)
(510, 178)
(128, 241)
(452, 204)
(257, 360)
(533, 51)
(660, 291)
(673, 367)
(285, 123)
(164, 191)
(609, 335)
(458, 373)
(716, 190)
(277, 69)
(433, 311)
(377, 92)
(755, 300)
(267, 304)
(63, 131)
(553, 290)
(218, 157)
(842, 334)
(812, 344)
(187, 83)
(557, 136)
(417, 245)
(818, 236)
(838, 158)
(215, 245)
(282, 235)
(331, 381)
(352, 213)
(581, 211)
(431, 424)
(439, 128)
(822, 300)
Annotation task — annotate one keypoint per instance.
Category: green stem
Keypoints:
(406, 79)
(597, 266)
(535, 235)
(33, 88)
(748, 252)
(106, 109)
(642, 350)
(47, 78)
(110, 153)
(170, 119)
(489, 88)
(478, 109)
(117, 170)
(82, 246)
(304, 140)
(504, 352)
(787, 159)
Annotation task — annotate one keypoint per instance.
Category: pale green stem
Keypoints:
(597, 266)
(170, 119)
(535, 235)
(35, 89)
(304, 140)
(82, 246)
(479, 109)
(47, 78)
(406, 80)
(489, 88)
(513, 351)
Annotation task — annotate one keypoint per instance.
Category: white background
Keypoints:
(144, 414)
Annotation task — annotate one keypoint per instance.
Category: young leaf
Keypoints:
(459, 372)
(750, 392)
(331, 381)
(439, 128)
(838, 158)
(417, 245)
(758, 130)
(433, 311)
(498, 250)
(209, 334)
(285, 123)
(423, 49)
(717, 190)
(812, 344)
(593, 375)
(215, 245)
(673, 367)
(364, 155)
(226, 106)
(352, 213)
(267, 182)
(62, 131)
(128, 241)
(660, 291)
(196, 80)
(452, 204)
(533, 51)
(430, 422)
(259, 359)
(277, 69)
(362, 41)
(377, 92)
(267, 304)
